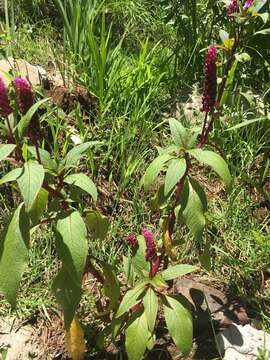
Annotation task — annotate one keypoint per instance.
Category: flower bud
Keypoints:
(210, 81)
(5, 108)
(25, 95)
(233, 7)
(132, 241)
(248, 4)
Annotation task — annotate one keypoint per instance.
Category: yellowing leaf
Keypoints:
(75, 340)
(229, 43)
(167, 241)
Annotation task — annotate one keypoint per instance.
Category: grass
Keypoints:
(137, 59)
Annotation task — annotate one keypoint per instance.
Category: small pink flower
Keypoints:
(233, 7)
(25, 95)
(248, 4)
(5, 108)
(150, 244)
(210, 81)
(132, 241)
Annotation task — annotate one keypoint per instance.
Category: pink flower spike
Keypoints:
(233, 7)
(5, 108)
(248, 4)
(25, 95)
(150, 244)
(210, 81)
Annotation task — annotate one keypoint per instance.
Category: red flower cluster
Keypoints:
(25, 95)
(233, 7)
(5, 108)
(210, 82)
(132, 241)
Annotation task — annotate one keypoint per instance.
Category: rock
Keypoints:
(206, 300)
(17, 341)
(244, 341)
(35, 74)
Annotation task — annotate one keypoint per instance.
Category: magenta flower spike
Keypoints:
(5, 108)
(233, 7)
(210, 81)
(248, 4)
(25, 95)
(150, 244)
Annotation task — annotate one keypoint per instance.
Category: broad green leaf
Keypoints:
(39, 206)
(74, 155)
(131, 298)
(67, 293)
(11, 176)
(159, 201)
(154, 169)
(215, 161)
(140, 265)
(151, 342)
(177, 270)
(229, 83)
(30, 182)
(179, 322)
(45, 157)
(72, 244)
(200, 192)
(150, 304)
(14, 243)
(175, 172)
(137, 336)
(6, 150)
(180, 134)
(193, 212)
(111, 285)
(97, 223)
(83, 182)
(25, 120)
(262, 32)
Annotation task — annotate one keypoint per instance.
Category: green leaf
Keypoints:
(179, 322)
(131, 298)
(11, 176)
(205, 258)
(137, 336)
(178, 270)
(72, 244)
(262, 32)
(45, 157)
(150, 303)
(154, 169)
(215, 161)
(14, 245)
(25, 120)
(111, 285)
(67, 293)
(97, 223)
(140, 265)
(74, 155)
(247, 122)
(193, 212)
(30, 182)
(175, 172)
(158, 282)
(6, 150)
(39, 206)
(83, 182)
(180, 134)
